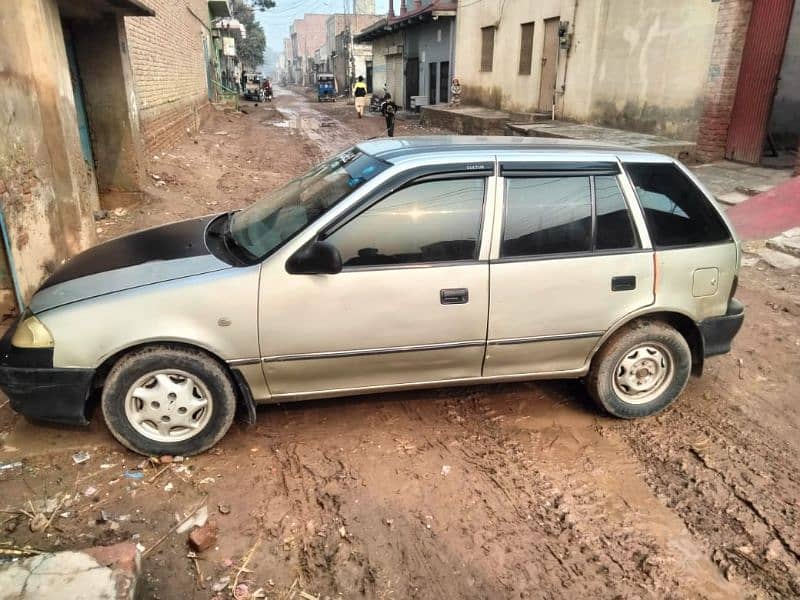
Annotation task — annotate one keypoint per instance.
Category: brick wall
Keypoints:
(169, 70)
(733, 19)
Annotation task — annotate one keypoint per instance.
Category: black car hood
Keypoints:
(142, 258)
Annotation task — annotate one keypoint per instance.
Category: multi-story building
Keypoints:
(307, 36)
(413, 51)
(722, 73)
(338, 31)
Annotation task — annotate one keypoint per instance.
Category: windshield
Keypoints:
(264, 226)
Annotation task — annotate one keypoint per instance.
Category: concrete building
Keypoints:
(338, 28)
(67, 128)
(664, 68)
(88, 87)
(307, 36)
(175, 64)
(413, 51)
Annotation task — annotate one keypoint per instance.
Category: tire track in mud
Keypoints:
(713, 470)
(320, 543)
(555, 514)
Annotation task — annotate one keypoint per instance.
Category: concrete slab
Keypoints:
(788, 242)
(580, 131)
(105, 573)
(726, 177)
(733, 198)
(779, 260)
(466, 120)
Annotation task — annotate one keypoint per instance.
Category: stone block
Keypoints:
(101, 573)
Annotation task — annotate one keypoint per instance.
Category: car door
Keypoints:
(568, 262)
(409, 306)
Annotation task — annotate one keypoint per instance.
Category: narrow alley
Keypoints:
(503, 491)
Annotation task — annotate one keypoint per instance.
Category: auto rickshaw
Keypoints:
(252, 87)
(326, 87)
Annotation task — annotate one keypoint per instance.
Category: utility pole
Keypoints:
(352, 52)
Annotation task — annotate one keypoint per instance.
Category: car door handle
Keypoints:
(623, 283)
(454, 296)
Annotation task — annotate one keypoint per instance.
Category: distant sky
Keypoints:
(276, 21)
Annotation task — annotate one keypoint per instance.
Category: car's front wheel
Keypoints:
(640, 370)
(168, 400)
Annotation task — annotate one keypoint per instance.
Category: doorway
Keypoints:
(444, 81)
(412, 79)
(762, 57)
(547, 81)
(77, 92)
(432, 69)
(368, 64)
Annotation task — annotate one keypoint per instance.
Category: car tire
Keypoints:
(640, 370)
(168, 400)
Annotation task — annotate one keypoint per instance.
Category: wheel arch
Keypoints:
(677, 319)
(245, 404)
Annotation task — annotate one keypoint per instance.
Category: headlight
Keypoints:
(31, 333)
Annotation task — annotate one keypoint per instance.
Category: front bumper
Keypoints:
(718, 332)
(37, 389)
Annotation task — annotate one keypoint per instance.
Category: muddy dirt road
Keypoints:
(505, 491)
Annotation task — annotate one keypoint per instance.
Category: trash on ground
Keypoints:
(9, 466)
(221, 584)
(224, 509)
(446, 470)
(80, 457)
(90, 491)
(133, 475)
(198, 519)
(169, 487)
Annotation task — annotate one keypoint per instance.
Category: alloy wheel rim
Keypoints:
(643, 373)
(168, 406)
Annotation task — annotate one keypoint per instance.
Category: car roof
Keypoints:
(397, 149)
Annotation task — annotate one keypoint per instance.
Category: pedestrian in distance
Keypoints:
(360, 95)
(455, 93)
(388, 110)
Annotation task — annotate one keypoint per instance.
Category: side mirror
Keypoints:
(314, 259)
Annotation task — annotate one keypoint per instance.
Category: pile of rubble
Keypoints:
(780, 252)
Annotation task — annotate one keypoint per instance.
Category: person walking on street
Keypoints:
(388, 110)
(360, 94)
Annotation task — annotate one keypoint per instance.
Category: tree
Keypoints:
(250, 49)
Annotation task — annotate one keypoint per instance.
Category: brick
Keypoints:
(202, 538)
(169, 71)
(730, 32)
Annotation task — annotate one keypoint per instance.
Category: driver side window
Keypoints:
(431, 221)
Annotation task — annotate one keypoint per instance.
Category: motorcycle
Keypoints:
(375, 103)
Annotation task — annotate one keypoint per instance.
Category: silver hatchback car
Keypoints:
(399, 263)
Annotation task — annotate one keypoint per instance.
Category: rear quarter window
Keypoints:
(676, 211)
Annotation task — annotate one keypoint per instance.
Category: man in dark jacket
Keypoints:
(388, 110)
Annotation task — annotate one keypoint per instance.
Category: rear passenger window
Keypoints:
(676, 211)
(547, 215)
(614, 227)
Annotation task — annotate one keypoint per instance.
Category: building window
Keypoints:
(487, 48)
(526, 49)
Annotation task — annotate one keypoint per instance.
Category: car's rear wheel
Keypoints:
(640, 370)
(168, 400)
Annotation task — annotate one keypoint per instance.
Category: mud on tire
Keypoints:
(631, 361)
(209, 375)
